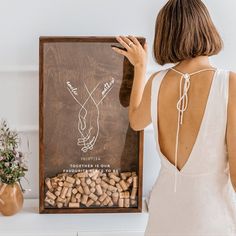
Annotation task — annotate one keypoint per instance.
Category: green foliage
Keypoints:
(12, 161)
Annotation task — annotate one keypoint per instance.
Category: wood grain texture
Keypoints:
(84, 97)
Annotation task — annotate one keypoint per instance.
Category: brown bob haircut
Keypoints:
(184, 30)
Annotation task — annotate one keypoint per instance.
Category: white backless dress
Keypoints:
(199, 199)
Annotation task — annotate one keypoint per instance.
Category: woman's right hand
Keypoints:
(136, 54)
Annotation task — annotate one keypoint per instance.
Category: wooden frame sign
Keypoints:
(91, 160)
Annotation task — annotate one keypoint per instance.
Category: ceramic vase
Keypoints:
(11, 199)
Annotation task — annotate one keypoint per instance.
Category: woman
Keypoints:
(192, 107)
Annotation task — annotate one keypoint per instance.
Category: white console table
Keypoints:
(28, 222)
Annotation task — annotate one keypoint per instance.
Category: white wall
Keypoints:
(21, 24)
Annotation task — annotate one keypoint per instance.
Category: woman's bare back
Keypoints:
(167, 113)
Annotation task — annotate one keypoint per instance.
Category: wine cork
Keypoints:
(74, 204)
(97, 203)
(126, 202)
(88, 181)
(86, 189)
(125, 175)
(59, 188)
(109, 193)
(95, 176)
(80, 189)
(106, 179)
(48, 183)
(102, 197)
(133, 202)
(129, 180)
(62, 200)
(92, 188)
(59, 204)
(104, 185)
(74, 190)
(57, 193)
(69, 192)
(121, 202)
(135, 181)
(50, 201)
(67, 184)
(63, 192)
(98, 180)
(67, 202)
(99, 189)
(112, 188)
(114, 177)
(106, 201)
(112, 182)
(93, 196)
(77, 181)
(73, 199)
(123, 185)
(51, 195)
(54, 184)
(126, 194)
(115, 197)
(84, 199)
(110, 203)
(133, 193)
(89, 202)
(78, 196)
(119, 187)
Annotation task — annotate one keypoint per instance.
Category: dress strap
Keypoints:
(181, 106)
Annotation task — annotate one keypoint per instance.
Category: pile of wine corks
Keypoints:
(92, 189)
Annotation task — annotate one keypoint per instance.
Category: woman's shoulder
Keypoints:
(226, 70)
(227, 73)
(232, 82)
(232, 74)
(228, 77)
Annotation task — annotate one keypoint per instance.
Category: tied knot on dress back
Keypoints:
(183, 100)
(181, 106)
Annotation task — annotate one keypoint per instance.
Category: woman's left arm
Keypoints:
(231, 128)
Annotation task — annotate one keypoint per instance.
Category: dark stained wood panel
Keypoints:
(84, 97)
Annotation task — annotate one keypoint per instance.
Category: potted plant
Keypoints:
(12, 169)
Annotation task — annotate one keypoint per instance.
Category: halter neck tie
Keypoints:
(181, 106)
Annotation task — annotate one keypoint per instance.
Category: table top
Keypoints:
(29, 222)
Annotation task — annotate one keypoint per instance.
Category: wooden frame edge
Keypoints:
(42, 209)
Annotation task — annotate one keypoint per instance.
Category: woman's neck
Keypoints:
(194, 64)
